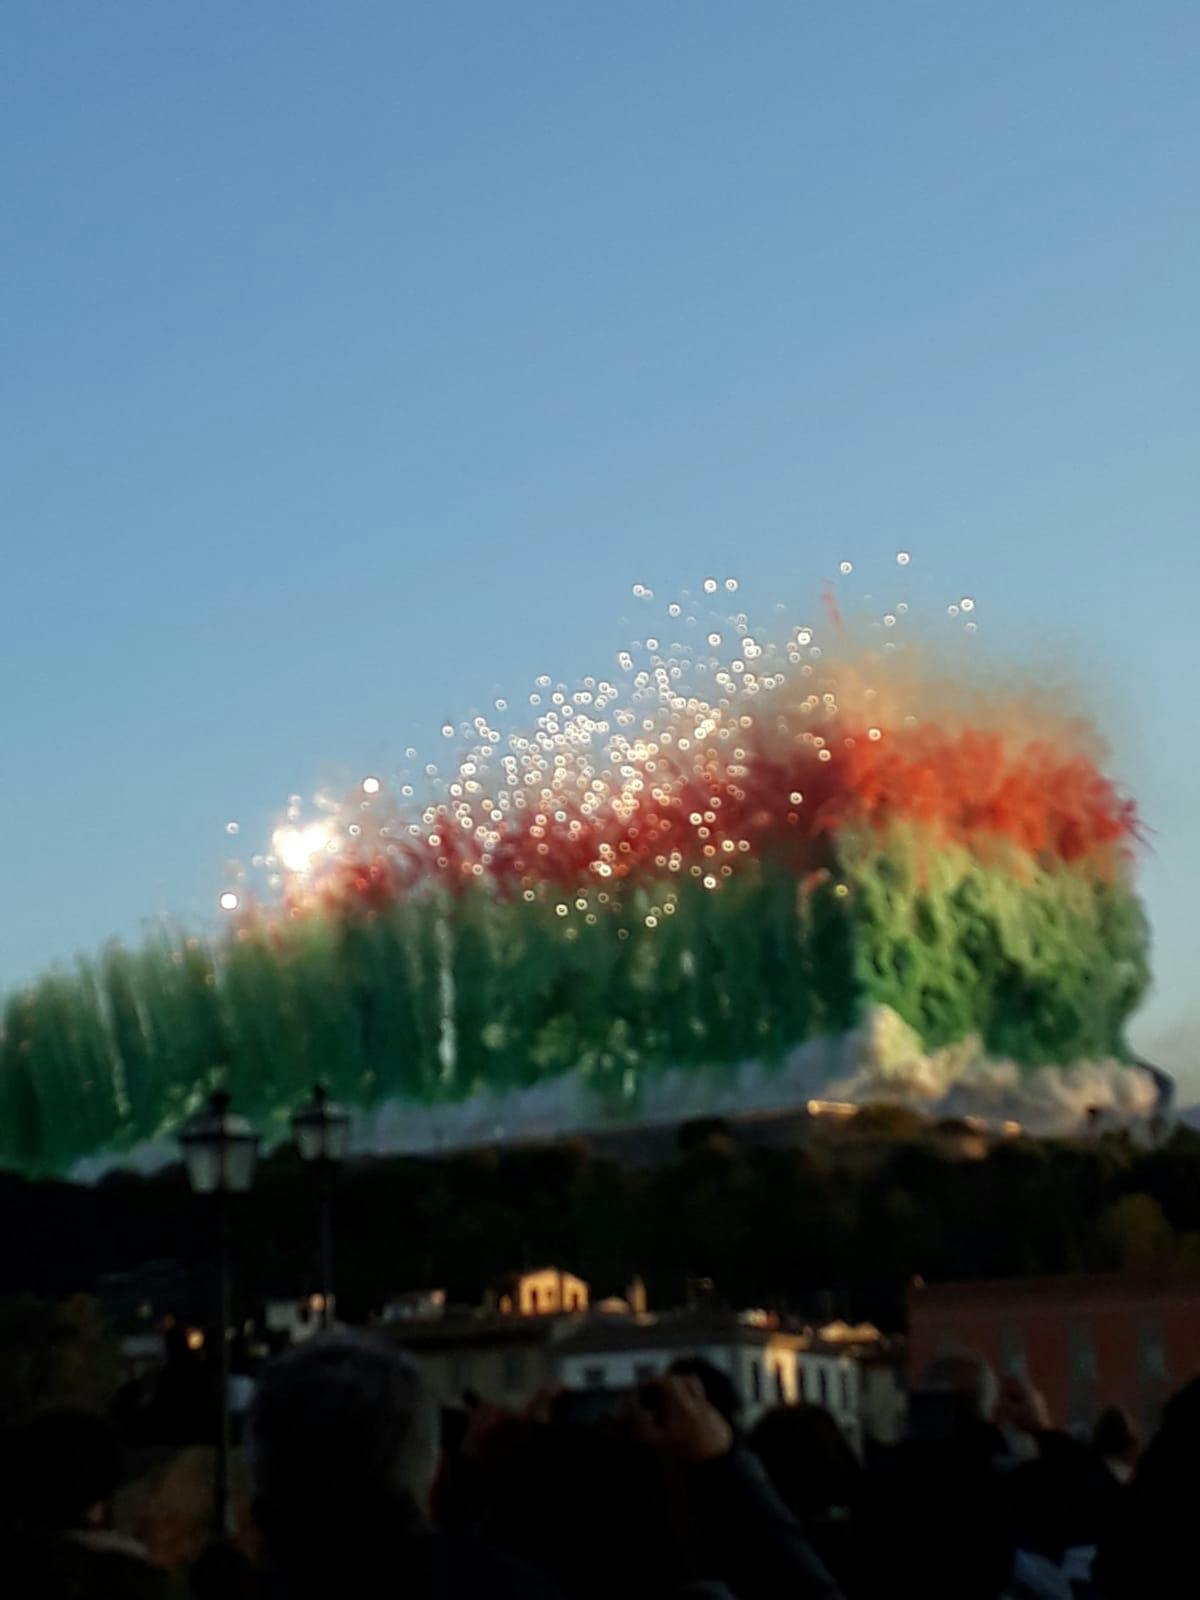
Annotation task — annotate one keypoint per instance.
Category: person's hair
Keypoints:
(808, 1459)
(966, 1376)
(63, 1464)
(1114, 1436)
(718, 1387)
(343, 1445)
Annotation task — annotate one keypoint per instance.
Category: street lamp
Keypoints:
(220, 1152)
(322, 1131)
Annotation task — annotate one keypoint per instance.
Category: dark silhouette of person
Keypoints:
(1153, 1544)
(344, 1451)
(936, 1519)
(817, 1476)
(63, 1471)
(1115, 1442)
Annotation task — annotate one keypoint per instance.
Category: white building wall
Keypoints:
(764, 1376)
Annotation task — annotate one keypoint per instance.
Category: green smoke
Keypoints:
(436, 998)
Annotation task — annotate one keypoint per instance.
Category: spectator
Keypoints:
(65, 1468)
(936, 1519)
(344, 1451)
(817, 1476)
(1115, 1442)
(738, 1530)
(719, 1389)
(658, 1505)
(1153, 1547)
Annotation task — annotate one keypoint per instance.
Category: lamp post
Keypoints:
(322, 1131)
(220, 1152)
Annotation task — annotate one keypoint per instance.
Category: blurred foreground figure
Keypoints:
(1153, 1546)
(818, 1477)
(63, 1470)
(344, 1453)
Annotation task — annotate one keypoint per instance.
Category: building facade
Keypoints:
(1085, 1342)
(537, 1332)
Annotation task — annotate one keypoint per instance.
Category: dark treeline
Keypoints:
(838, 1223)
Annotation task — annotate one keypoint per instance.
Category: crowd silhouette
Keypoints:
(359, 1484)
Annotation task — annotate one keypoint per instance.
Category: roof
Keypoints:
(695, 1332)
(1079, 1288)
(472, 1332)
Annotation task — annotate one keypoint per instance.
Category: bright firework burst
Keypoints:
(717, 853)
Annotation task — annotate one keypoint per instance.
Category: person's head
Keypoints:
(1114, 1437)
(968, 1380)
(808, 1459)
(66, 1466)
(343, 1445)
(718, 1387)
(1174, 1451)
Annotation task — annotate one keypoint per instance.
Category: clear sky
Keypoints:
(355, 358)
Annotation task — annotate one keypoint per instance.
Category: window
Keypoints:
(1152, 1352)
(755, 1379)
(1083, 1354)
(780, 1394)
(1012, 1351)
(595, 1377)
(1082, 1413)
(514, 1369)
(644, 1372)
(824, 1382)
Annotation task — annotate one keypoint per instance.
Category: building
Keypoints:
(1084, 1342)
(537, 1332)
(293, 1321)
(767, 1365)
(546, 1292)
(419, 1305)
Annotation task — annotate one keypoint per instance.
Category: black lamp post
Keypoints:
(220, 1152)
(322, 1131)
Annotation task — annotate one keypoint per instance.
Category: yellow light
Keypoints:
(831, 1108)
(195, 1339)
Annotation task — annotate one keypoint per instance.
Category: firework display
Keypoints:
(736, 846)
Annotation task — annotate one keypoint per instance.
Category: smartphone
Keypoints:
(589, 1408)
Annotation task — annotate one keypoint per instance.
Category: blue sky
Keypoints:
(354, 360)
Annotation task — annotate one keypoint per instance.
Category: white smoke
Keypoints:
(881, 1060)
(961, 1079)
